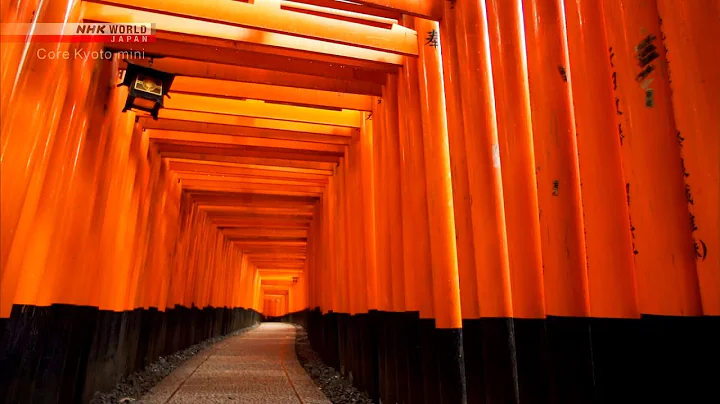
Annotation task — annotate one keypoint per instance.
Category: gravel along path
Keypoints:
(337, 388)
(135, 385)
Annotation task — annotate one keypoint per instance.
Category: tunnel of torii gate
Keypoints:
(481, 201)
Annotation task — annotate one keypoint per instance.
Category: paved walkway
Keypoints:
(259, 366)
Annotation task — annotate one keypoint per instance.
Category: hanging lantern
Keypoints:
(147, 88)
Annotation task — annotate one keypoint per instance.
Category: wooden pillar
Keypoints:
(367, 183)
(483, 158)
(556, 160)
(512, 103)
(686, 26)
(29, 122)
(382, 222)
(609, 251)
(611, 273)
(462, 199)
(561, 220)
(494, 329)
(664, 257)
(446, 288)
(392, 185)
(517, 160)
(359, 251)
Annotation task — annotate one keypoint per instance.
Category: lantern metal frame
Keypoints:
(148, 84)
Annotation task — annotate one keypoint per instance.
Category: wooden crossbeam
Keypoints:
(264, 92)
(233, 56)
(263, 164)
(230, 36)
(260, 109)
(357, 8)
(254, 122)
(262, 232)
(178, 137)
(204, 151)
(428, 9)
(270, 18)
(204, 69)
(253, 132)
(188, 167)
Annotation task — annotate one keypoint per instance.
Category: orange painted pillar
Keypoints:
(59, 216)
(367, 174)
(356, 214)
(462, 199)
(664, 258)
(416, 239)
(693, 66)
(382, 222)
(556, 159)
(517, 158)
(350, 240)
(325, 288)
(678, 71)
(116, 195)
(177, 286)
(381, 134)
(341, 287)
(559, 198)
(26, 140)
(332, 252)
(417, 262)
(309, 268)
(446, 288)
(611, 275)
(14, 55)
(483, 159)
(512, 103)
(392, 185)
(314, 260)
(479, 124)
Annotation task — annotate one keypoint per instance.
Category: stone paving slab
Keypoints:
(259, 366)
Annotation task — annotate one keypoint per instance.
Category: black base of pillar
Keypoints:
(64, 354)
(561, 360)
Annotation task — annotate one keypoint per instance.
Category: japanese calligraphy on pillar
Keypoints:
(646, 53)
(433, 38)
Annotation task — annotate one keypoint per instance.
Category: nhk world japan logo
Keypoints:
(81, 32)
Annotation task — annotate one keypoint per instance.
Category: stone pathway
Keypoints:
(259, 366)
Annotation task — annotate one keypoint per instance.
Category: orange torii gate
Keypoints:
(462, 201)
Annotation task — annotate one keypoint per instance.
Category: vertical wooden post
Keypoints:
(664, 257)
(392, 185)
(561, 220)
(556, 159)
(446, 288)
(462, 199)
(422, 371)
(367, 173)
(611, 274)
(686, 28)
(26, 138)
(488, 212)
(512, 103)
(484, 174)
(609, 252)
(382, 223)
(417, 259)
